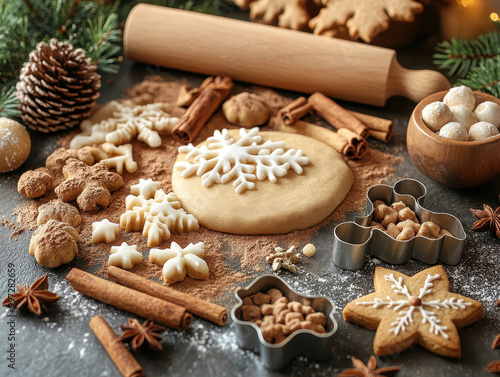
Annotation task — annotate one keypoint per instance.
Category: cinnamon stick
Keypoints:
(291, 113)
(329, 137)
(204, 309)
(187, 95)
(357, 141)
(380, 128)
(119, 354)
(139, 303)
(202, 108)
(336, 115)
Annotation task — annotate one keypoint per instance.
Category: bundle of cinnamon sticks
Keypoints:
(352, 128)
(142, 297)
(202, 102)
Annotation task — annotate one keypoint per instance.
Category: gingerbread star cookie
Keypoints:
(414, 310)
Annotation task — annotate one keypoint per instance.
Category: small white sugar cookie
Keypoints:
(488, 111)
(436, 114)
(463, 115)
(124, 256)
(482, 130)
(178, 262)
(460, 95)
(145, 187)
(455, 131)
(104, 231)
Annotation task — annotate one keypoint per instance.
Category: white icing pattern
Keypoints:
(177, 262)
(224, 160)
(125, 256)
(400, 324)
(128, 122)
(156, 217)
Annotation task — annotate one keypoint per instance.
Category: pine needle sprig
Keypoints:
(8, 102)
(460, 56)
(93, 25)
(485, 77)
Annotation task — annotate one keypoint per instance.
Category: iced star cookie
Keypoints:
(414, 310)
(260, 195)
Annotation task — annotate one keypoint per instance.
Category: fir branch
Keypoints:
(485, 77)
(8, 102)
(93, 25)
(462, 55)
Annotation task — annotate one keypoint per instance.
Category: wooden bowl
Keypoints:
(452, 163)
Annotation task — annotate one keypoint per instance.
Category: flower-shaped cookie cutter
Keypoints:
(355, 239)
(305, 343)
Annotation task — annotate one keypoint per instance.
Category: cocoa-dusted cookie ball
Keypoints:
(463, 115)
(482, 130)
(455, 131)
(246, 110)
(436, 114)
(15, 145)
(488, 111)
(460, 95)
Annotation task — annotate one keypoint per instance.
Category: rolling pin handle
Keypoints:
(414, 84)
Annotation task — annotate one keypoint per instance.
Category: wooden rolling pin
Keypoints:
(271, 56)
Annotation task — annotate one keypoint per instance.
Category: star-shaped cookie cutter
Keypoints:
(305, 343)
(354, 240)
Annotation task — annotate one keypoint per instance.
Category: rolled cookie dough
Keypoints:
(294, 202)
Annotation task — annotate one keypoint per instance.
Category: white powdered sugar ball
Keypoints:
(482, 130)
(463, 115)
(435, 115)
(455, 131)
(488, 111)
(460, 95)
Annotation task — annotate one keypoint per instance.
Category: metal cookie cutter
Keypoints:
(304, 343)
(354, 240)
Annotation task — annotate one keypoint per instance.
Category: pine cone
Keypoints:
(57, 87)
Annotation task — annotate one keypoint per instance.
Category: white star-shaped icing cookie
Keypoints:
(177, 262)
(104, 231)
(125, 256)
(145, 187)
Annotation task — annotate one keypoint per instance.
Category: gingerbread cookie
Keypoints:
(414, 310)
(59, 211)
(89, 185)
(364, 19)
(35, 183)
(54, 243)
(265, 206)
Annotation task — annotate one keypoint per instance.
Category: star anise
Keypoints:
(487, 220)
(148, 332)
(34, 297)
(493, 367)
(368, 370)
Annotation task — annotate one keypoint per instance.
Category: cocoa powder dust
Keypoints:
(231, 258)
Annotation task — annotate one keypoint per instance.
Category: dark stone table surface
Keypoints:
(60, 343)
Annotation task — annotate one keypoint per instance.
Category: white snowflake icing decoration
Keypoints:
(243, 161)
(416, 303)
